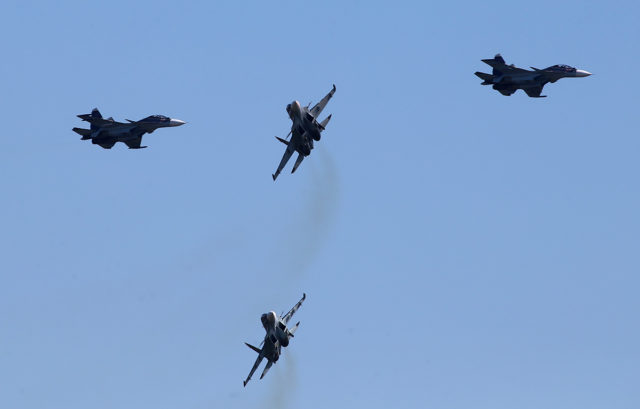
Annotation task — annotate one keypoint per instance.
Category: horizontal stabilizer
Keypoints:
(252, 347)
(488, 78)
(86, 133)
(282, 140)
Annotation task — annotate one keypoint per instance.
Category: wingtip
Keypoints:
(244, 383)
(274, 176)
(304, 295)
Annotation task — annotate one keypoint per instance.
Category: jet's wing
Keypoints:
(285, 158)
(534, 92)
(135, 143)
(317, 108)
(255, 365)
(293, 310)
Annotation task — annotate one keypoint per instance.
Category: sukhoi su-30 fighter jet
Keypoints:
(507, 79)
(277, 336)
(304, 130)
(106, 132)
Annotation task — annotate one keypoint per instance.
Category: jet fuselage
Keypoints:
(277, 336)
(534, 77)
(306, 125)
(107, 132)
(305, 128)
(508, 78)
(277, 332)
(124, 131)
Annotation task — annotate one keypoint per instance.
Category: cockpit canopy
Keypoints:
(561, 68)
(156, 119)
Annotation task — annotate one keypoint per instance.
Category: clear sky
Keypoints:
(459, 249)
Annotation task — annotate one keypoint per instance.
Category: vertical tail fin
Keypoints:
(95, 114)
(324, 123)
(293, 330)
(252, 347)
(499, 59)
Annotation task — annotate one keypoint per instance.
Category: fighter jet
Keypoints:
(507, 79)
(277, 336)
(304, 130)
(106, 132)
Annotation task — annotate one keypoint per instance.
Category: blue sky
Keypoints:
(458, 248)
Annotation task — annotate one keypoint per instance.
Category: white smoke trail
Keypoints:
(314, 219)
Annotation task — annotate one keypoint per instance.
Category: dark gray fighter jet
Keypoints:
(304, 130)
(507, 79)
(106, 132)
(277, 336)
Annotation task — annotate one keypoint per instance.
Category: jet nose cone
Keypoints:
(176, 122)
(295, 107)
(582, 73)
